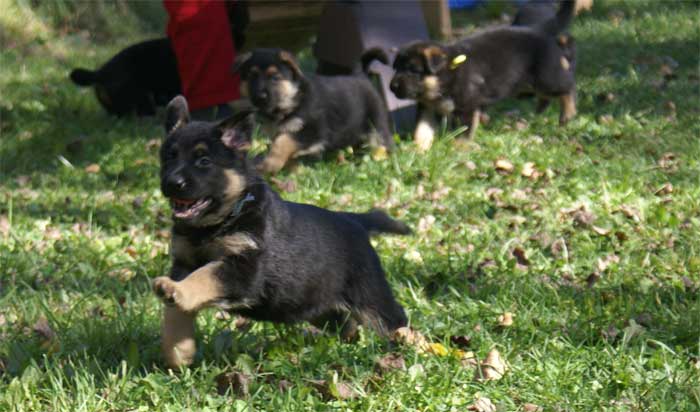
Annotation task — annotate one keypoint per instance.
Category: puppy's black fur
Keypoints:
(313, 114)
(475, 72)
(137, 79)
(237, 245)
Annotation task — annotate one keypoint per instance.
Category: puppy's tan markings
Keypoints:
(567, 104)
(425, 131)
(177, 334)
(474, 123)
(564, 63)
(236, 243)
(435, 58)
(431, 87)
(201, 147)
(287, 92)
(370, 319)
(283, 148)
(235, 185)
(293, 125)
(314, 149)
(271, 70)
(200, 289)
(563, 40)
(290, 61)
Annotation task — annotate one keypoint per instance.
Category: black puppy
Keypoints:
(315, 113)
(137, 79)
(237, 245)
(464, 77)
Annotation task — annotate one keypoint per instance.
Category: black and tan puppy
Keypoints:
(238, 246)
(135, 80)
(463, 78)
(313, 114)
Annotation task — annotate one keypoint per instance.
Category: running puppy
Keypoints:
(137, 79)
(313, 114)
(465, 77)
(238, 246)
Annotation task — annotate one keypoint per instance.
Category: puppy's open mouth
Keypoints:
(189, 208)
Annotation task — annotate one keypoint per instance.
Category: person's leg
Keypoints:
(201, 37)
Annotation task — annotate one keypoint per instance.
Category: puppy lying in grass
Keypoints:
(137, 79)
(238, 246)
(313, 114)
(463, 78)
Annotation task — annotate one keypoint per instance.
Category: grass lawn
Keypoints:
(587, 235)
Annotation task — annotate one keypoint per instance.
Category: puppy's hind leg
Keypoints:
(567, 105)
(424, 134)
(283, 148)
(474, 123)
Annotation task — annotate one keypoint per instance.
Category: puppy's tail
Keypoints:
(376, 221)
(83, 77)
(375, 53)
(562, 20)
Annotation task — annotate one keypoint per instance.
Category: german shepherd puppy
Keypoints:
(137, 79)
(477, 71)
(313, 114)
(238, 246)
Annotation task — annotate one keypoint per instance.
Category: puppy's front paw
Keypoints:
(270, 165)
(423, 136)
(166, 289)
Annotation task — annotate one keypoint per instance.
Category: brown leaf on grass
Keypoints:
(530, 171)
(4, 225)
(605, 262)
(43, 329)
(153, 144)
(531, 407)
(521, 124)
(288, 186)
(482, 405)
(505, 320)
(379, 153)
(600, 230)
(284, 385)
(461, 341)
(466, 358)
(440, 193)
(238, 382)
(579, 214)
(344, 199)
(665, 189)
(606, 119)
(629, 212)
(610, 333)
(668, 161)
(470, 165)
(407, 336)
(503, 166)
(334, 390)
(389, 362)
(492, 368)
(521, 260)
(131, 251)
(93, 168)
(22, 180)
(493, 193)
(426, 223)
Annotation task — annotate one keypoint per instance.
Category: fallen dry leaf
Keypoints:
(425, 223)
(610, 333)
(461, 341)
(503, 166)
(334, 390)
(580, 215)
(407, 336)
(605, 262)
(530, 171)
(668, 161)
(600, 231)
(390, 361)
(629, 212)
(131, 251)
(238, 382)
(466, 358)
(379, 153)
(606, 119)
(43, 329)
(4, 225)
(344, 199)
(153, 144)
(531, 407)
(505, 320)
(665, 189)
(482, 405)
(521, 259)
(493, 193)
(470, 165)
(492, 368)
(93, 168)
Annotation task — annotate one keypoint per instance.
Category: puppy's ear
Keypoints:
(237, 130)
(288, 59)
(177, 114)
(435, 58)
(240, 64)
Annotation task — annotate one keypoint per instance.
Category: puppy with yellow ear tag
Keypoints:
(236, 245)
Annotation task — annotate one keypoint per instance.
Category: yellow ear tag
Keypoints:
(457, 61)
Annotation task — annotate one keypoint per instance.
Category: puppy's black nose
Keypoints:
(175, 183)
(261, 98)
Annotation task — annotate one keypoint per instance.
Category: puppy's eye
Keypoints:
(276, 77)
(203, 162)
